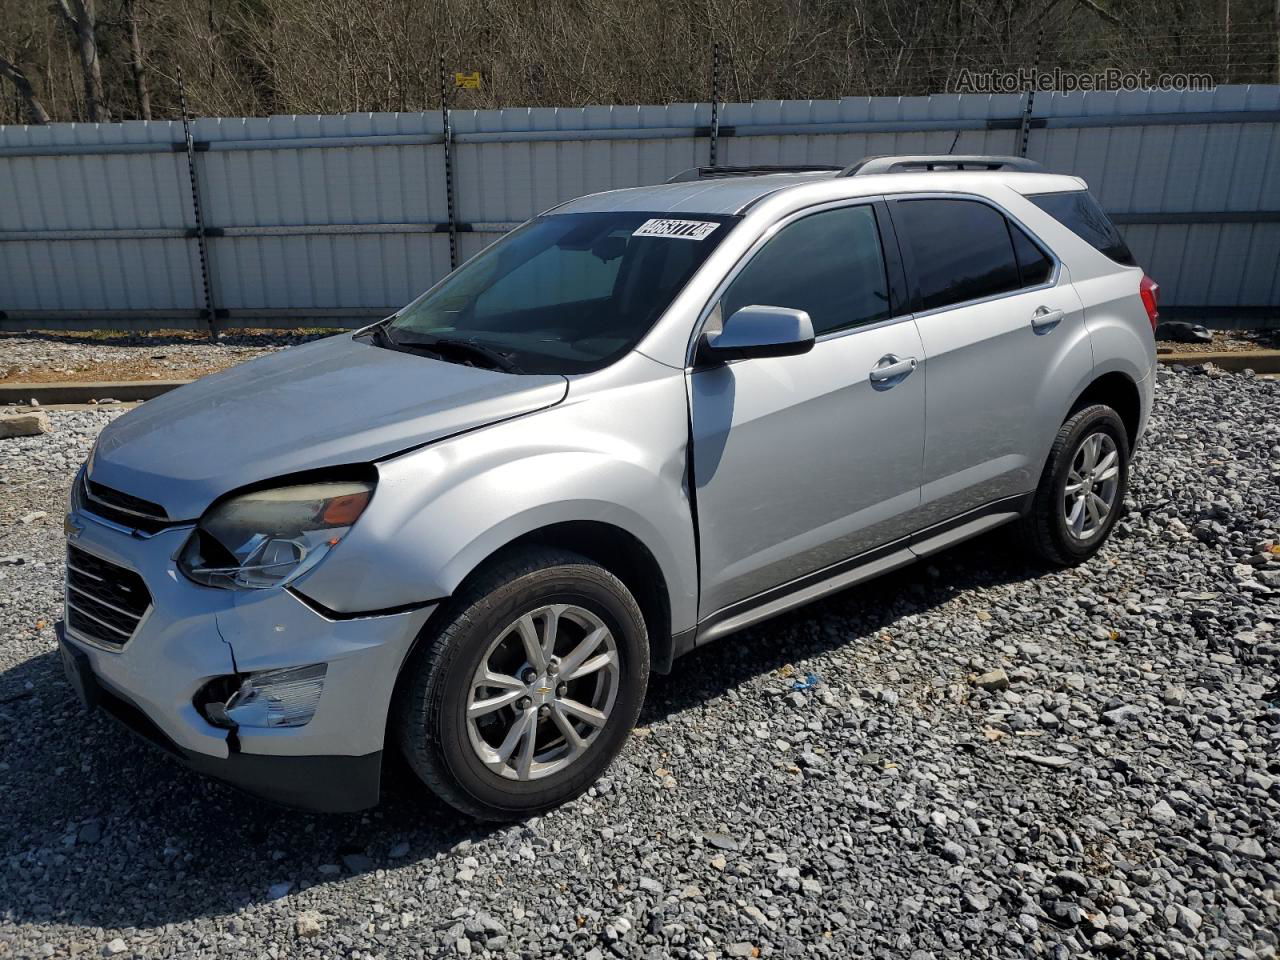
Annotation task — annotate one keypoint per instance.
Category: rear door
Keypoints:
(1005, 348)
(802, 462)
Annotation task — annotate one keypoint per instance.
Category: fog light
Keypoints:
(277, 698)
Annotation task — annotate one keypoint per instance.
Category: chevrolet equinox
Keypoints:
(644, 420)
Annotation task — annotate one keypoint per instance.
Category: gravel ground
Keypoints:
(113, 356)
(967, 759)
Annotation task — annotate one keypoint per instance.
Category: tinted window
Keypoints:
(1080, 213)
(960, 250)
(1034, 265)
(828, 264)
(565, 293)
(551, 277)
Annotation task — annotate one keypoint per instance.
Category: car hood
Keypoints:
(335, 401)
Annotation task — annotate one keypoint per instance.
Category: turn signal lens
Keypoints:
(345, 510)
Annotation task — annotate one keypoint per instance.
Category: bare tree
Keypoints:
(1101, 11)
(35, 110)
(263, 57)
(137, 66)
(79, 17)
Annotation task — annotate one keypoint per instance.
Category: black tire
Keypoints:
(430, 711)
(1044, 529)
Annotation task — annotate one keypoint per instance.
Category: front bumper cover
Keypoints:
(325, 783)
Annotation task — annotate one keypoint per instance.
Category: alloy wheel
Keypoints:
(543, 691)
(1092, 483)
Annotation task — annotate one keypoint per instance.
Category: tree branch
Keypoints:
(1104, 13)
(35, 109)
(62, 7)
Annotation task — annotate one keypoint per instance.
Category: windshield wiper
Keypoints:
(465, 350)
(475, 349)
(379, 334)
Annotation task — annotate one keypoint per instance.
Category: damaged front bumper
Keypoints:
(326, 784)
(194, 638)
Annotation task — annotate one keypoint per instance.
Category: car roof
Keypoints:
(732, 195)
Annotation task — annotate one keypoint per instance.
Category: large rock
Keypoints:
(995, 679)
(24, 424)
(1179, 331)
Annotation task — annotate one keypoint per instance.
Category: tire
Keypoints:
(1046, 529)
(461, 760)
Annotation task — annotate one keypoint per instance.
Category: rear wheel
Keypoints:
(1082, 488)
(521, 699)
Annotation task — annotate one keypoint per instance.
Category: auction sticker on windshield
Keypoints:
(676, 229)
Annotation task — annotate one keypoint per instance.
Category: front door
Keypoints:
(802, 462)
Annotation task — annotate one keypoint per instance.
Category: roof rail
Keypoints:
(925, 162)
(755, 170)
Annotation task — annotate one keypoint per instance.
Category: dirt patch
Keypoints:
(1226, 341)
(113, 356)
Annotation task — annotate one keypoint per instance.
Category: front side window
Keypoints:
(828, 264)
(960, 250)
(565, 293)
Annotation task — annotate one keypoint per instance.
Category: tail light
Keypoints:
(1150, 291)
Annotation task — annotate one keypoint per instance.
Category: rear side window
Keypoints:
(960, 250)
(1034, 265)
(1079, 212)
(828, 264)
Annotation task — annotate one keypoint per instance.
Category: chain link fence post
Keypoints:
(715, 102)
(210, 311)
(1024, 132)
(448, 167)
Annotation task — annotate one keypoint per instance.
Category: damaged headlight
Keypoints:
(269, 537)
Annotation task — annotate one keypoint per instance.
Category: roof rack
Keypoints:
(924, 162)
(755, 170)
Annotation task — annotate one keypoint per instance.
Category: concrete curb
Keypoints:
(83, 392)
(1259, 361)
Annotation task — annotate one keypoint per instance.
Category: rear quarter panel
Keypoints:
(1114, 316)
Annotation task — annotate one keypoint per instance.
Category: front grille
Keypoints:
(105, 602)
(124, 509)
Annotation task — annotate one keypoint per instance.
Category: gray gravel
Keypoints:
(836, 783)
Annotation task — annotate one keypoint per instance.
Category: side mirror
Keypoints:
(758, 331)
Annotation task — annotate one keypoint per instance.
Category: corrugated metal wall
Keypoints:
(342, 218)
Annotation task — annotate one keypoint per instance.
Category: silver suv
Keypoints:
(642, 421)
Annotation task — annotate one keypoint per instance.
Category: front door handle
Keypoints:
(891, 367)
(1046, 319)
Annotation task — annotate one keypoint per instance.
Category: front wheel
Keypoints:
(1082, 488)
(521, 699)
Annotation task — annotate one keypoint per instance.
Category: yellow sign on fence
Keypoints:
(467, 81)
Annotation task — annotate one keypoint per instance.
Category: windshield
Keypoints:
(567, 293)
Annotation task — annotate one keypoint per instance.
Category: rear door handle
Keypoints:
(891, 367)
(1046, 319)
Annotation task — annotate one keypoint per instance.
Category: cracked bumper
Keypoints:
(193, 634)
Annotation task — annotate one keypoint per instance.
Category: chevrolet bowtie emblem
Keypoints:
(544, 690)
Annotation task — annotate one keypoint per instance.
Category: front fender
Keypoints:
(440, 511)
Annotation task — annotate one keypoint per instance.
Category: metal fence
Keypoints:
(333, 220)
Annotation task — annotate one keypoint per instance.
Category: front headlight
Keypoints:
(269, 537)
